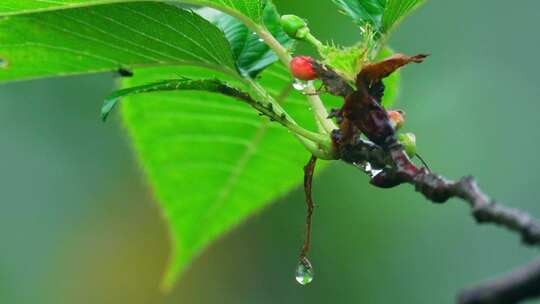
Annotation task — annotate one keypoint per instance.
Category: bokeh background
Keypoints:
(78, 223)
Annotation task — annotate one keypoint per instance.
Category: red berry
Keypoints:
(301, 68)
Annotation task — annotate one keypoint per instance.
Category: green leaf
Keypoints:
(186, 84)
(210, 159)
(105, 38)
(381, 15)
(210, 85)
(249, 8)
(252, 55)
(396, 10)
(363, 12)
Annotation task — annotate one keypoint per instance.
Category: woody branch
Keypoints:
(362, 114)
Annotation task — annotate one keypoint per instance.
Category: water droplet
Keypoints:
(299, 85)
(261, 40)
(368, 169)
(304, 271)
(367, 166)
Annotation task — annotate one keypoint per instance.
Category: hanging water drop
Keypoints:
(261, 40)
(304, 271)
(299, 85)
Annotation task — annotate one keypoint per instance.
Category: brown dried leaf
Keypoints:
(377, 71)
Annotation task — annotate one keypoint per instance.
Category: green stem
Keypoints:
(319, 111)
(318, 144)
(325, 124)
(314, 41)
(271, 41)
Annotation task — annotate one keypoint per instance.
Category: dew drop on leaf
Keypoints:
(304, 271)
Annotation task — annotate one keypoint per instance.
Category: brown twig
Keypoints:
(362, 114)
(398, 169)
(519, 285)
(309, 169)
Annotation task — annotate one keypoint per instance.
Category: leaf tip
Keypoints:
(167, 284)
(173, 270)
(108, 106)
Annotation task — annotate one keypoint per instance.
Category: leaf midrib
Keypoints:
(241, 164)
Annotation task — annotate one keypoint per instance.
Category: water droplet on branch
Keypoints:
(368, 169)
(300, 85)
(304, 271)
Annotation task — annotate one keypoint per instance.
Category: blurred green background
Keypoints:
(78, 224)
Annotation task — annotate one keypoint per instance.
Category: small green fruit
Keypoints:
(408, 140)
(294, 26)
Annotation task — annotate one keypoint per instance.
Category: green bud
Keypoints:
(408, 140)
(294, 26)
